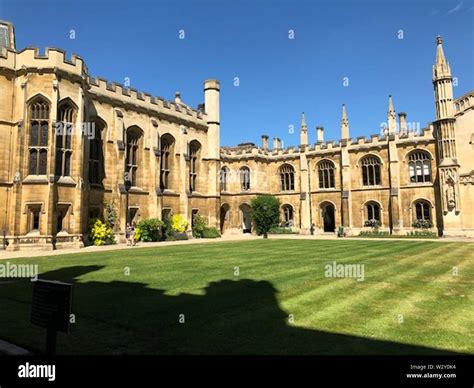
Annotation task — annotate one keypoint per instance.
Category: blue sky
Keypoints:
(279, 77)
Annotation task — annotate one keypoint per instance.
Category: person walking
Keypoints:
(132, 233)
(128, 231)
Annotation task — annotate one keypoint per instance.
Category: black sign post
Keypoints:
(51, 309)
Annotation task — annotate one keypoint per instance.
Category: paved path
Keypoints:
(225, 238)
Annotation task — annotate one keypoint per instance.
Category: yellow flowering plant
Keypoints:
(179, 224)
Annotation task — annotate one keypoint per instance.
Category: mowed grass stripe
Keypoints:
(249, 312)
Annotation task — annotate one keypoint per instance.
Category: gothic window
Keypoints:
(422, 211)
(194, 151)
(96, 154)
(38, 145)
(326, 174)
(288, 215)
(370, 171)
(132, 155)
(419, 165)
(373, 211)
(287, 177)
(223, 177)
(245, 178)
(64, 128)
(166, 148)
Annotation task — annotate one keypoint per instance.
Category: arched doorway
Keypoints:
(225, 217)
(245, 218)
(328, 216)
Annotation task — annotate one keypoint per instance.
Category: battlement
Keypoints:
(31, 58)
(114, 90)
(375, 140)
(56, 60)
(464, 103)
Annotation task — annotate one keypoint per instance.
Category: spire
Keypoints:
(303, 131)
(344, 123)
(391, 118)
(441, 67)
(440, 58)
(303, 122)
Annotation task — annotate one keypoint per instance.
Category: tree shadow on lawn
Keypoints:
(233, 317)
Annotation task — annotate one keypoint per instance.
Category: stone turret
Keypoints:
(303, 131)
(344, 123)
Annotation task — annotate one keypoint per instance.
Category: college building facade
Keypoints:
(72, 144)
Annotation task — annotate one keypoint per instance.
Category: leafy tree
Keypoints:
(265, 211)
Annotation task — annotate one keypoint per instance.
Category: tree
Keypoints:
(265, 211)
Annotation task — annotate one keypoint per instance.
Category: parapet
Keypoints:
(53, 58)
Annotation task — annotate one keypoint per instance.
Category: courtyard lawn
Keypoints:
(257, 297)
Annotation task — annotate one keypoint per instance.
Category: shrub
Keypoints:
(210, 233)
(280, 230)
(265, 211)
(422, 224)
(166, 231)
(100, 233)
(422, 234)
(372, 223)
(138, 234)
(179, 224)
(373, 233)
(110, 215)
(199, 225)
(150, 229)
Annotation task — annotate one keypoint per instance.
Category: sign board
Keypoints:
(52, 305)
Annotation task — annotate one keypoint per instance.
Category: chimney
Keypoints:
(265, 142)
(276, 143)
(319, 134)
(402, 123)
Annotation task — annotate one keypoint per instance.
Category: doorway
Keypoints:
(224, 217)
(245, 218)
(328, 215)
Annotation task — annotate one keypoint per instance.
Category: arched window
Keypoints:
(245, 178)
(194, 151)
(419, 165)
(422, 211)
(96, 154)
(326, 174)
(223, 177)
(166, 148)
(288, 215)
(372, 211)
(132, 155)
(38, 145)
(370, 171)
(64, 128)
(287, 177)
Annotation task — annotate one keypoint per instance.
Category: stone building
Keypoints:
(71, 144)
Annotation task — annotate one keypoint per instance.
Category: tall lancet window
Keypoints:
(166, 161)
(64, 130)
(194, 153)
(38, 144)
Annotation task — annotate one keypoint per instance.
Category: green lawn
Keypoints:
(281, 302)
